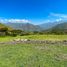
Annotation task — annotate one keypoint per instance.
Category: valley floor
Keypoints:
(33, 55)
(37, 37)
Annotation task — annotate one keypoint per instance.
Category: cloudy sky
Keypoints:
(33, 11)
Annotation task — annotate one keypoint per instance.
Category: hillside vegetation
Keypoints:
(58, 29)
(30, 29)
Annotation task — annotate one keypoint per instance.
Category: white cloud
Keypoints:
(59, 15)
(55, 17)
(14, 20)
(59, 19)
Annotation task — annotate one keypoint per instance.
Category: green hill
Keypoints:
(61, 26)
(58, 29)
(3, 26)
(5, 30)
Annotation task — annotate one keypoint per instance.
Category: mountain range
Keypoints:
(31, 27)
(24, 26)
(49, 25)
(61, 26)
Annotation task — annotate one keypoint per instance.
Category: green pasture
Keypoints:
(46, 37)
(39, 37)
(31, 55)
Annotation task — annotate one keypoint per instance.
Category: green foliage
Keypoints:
(4, 29)
(15, 32)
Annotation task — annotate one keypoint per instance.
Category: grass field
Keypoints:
(46, 37)
(31, 55)
(41, 37)
(34, 55)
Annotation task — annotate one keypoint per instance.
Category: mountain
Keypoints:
(49, 25)
(58, 29)
(24, 26)
(61, 26)
(31, 27)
